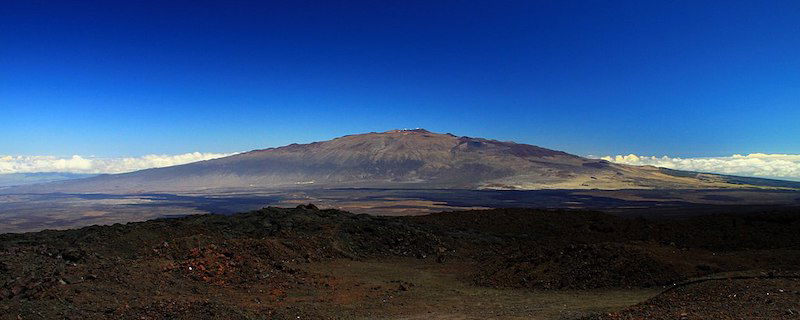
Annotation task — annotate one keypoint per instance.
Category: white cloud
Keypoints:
(79, 164)
(779, 166)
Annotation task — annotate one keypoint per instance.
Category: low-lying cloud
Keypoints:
(778, 166)
(94, 165)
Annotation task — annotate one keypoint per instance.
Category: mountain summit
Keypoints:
(414, 158)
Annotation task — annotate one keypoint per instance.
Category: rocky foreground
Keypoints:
(305, 263)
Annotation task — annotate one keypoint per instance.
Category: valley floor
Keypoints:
(35, 212)
(413, 289)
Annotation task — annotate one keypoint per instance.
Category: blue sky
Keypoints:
(129, 78)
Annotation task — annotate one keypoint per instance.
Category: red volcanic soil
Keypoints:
(766, 296)
(327, 264)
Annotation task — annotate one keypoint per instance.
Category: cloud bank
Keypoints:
(777, 166)
(93, 165)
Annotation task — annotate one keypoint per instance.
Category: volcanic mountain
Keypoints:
(398, 159)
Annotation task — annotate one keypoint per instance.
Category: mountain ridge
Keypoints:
(399, 158)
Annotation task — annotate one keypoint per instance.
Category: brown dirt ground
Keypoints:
(327, 264)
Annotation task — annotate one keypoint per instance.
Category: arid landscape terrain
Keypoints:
(399, 160)
(403, 224)
(396, 172)
(34, 212)
(306, 263)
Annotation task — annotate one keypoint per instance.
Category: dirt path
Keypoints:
(417, 289)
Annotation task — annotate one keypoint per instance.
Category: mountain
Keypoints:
(18, 179)
(398, 159)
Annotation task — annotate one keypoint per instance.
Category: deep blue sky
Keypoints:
(681, 78)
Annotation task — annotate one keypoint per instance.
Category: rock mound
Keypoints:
(582, 267)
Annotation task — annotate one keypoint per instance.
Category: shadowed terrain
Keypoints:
(34, 212)
(311, 263)
(397, 172)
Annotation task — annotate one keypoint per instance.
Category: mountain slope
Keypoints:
(395, 159)
(18, 179)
